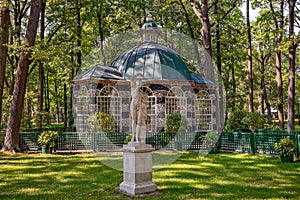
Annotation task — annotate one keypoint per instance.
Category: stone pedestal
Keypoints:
(137, 175)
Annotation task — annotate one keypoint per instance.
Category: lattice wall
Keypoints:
(203, 111)
(115, 101)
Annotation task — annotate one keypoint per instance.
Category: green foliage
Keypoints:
(254, 121)
(128, 138)
(242, 119)
(43, 117)
(285, 147)
(236, 117)
(175, 122)
(83, 22)
(101, 121)
(47, 138)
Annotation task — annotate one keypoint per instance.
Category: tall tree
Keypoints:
(292, 58)
(262, 53)
(250, 73)
(201, 10)
(100, 16)
(279, 24)
(5, 19)
(39, 109)
(11, 142)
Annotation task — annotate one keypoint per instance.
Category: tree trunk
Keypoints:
(205, 33)
(279, 28)
(29, 115)
(250, 73)
(292, 56)
(41, 70)
(209, 72)
(57, 102)
(262, 80)
(69, 117)
(195, 45)
(264, 96)
(11, 142)
(233, 87)
(65, 107)
(279, 88)
(79, 35)
(99, 18)
(5, 19)
(46, 92)
(220, 109)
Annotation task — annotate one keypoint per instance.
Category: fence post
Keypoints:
(252, 143)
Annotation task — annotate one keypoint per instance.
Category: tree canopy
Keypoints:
(67, 31)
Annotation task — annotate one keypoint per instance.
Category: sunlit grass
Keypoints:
(84, 176)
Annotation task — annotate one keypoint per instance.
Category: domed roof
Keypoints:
(149, 25)
(99, 72)
(154, 62)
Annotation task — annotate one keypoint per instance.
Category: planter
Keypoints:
(287, 159)
(45, 149)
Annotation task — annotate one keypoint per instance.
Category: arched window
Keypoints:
(109, 101)
(203, 112)
(175, 101)
(81, 107)
(151, 109)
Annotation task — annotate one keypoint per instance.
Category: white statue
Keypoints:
(138, 110)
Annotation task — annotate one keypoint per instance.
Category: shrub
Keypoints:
(175, 122)
(128, 138)
(42, 117)
(101, 121)
(47, 138)
(285, 147)
(235, 119)
(254, 121)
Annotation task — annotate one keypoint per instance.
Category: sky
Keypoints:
(253, 12)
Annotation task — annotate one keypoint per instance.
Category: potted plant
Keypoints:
(286, 149)
(47, 140)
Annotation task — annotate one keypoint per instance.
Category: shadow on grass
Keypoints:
(229, 176)
(83, 176)
(57, 176)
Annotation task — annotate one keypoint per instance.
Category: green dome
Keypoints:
(154, 62)
(149, 25)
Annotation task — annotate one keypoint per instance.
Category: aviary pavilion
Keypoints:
(170, 86)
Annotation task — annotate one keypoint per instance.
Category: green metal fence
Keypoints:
(236, 141)
(265, 142)
(28, 141)
(261, 142)
(178, 141)
(91, 141)
(114, 141)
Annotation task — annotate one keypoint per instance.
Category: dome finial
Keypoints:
(149, 17)
(149, 30)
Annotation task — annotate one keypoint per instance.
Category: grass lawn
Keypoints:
(83, 176)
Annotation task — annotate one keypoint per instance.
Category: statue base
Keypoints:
(137, 175)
